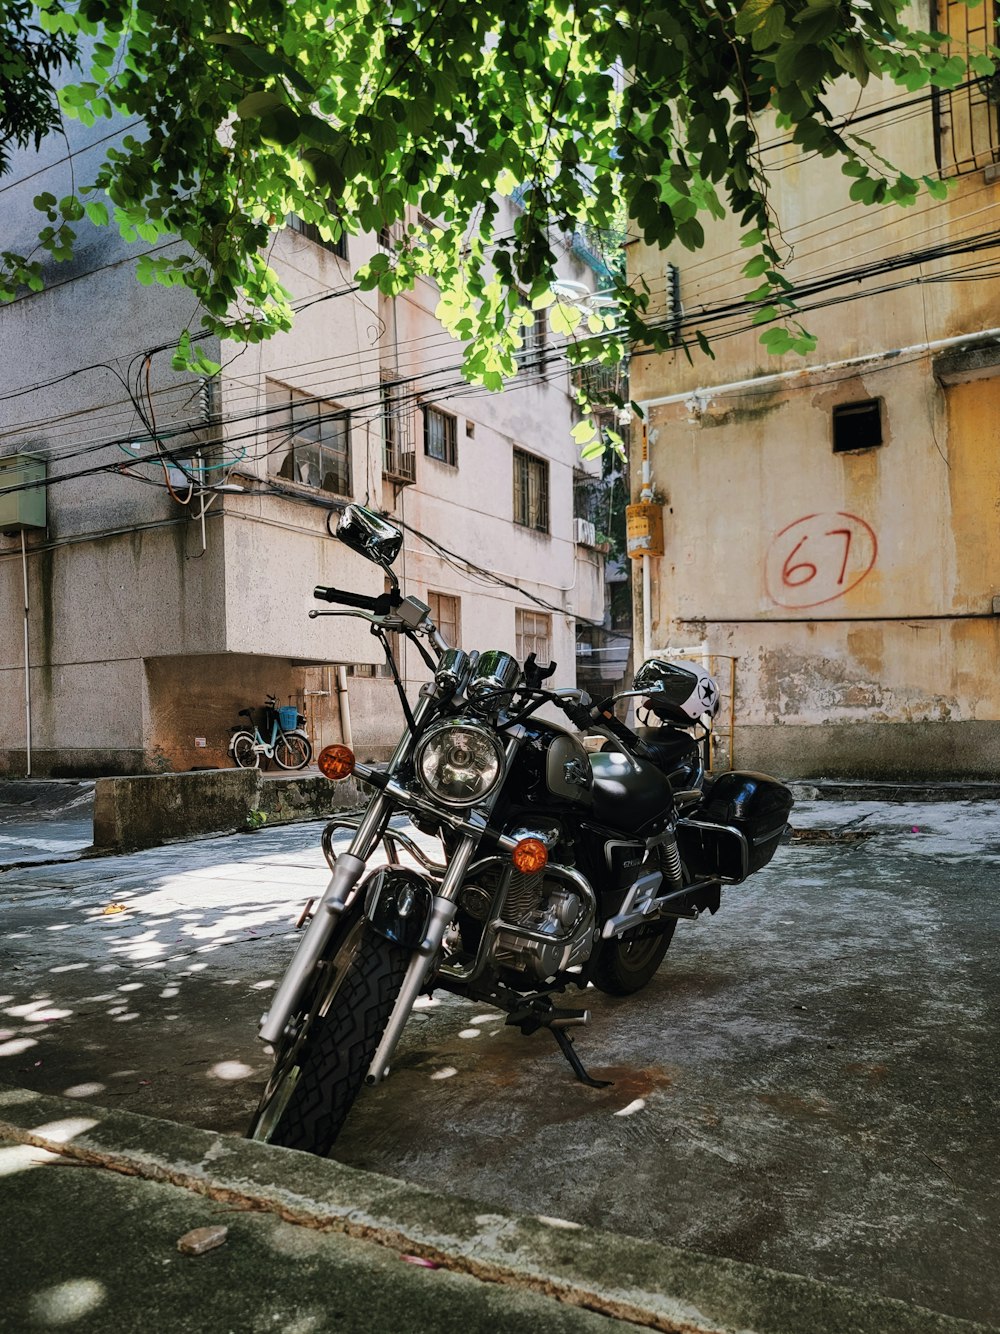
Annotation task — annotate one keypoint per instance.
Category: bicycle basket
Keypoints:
(288, 718)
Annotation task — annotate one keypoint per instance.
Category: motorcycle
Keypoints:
(558, 867)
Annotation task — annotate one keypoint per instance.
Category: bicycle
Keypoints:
(282, 739)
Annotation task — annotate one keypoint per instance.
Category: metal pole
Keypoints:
(27, 664)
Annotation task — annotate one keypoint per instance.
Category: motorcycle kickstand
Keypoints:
(543, 1014)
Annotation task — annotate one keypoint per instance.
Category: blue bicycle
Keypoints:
(278, 737)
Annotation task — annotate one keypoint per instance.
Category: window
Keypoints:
(532, 352)
(308, 441)
(534, 635)
(439, 436)
(857, 425)
(312, 233)
(445, 613)
(531, 491)
(966, 119)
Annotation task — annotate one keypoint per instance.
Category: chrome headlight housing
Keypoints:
(459, 763)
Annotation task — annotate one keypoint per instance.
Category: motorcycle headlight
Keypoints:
(459, 763)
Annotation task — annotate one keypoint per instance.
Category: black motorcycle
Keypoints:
(557, 868)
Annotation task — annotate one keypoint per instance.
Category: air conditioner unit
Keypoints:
(584, 650)
(584, 532)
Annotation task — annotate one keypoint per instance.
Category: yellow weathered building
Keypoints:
(832, 521)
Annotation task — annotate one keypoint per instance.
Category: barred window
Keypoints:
(531, 491)
(531, 354)
(312, 233)
(967, 117)
(308, 441)
(440, 436)
(534, 635)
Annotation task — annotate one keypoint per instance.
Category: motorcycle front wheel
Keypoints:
(319, 1075)
(627, 963)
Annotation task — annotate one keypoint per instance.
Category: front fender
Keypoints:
(398, 904)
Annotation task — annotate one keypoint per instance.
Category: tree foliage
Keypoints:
(353, 113)
(30, 58)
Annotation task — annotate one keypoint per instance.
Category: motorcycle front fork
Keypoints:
(348, 871)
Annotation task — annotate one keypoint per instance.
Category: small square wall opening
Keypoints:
(857, 425)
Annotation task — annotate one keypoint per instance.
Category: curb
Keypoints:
(648, 1283)
(859, 789)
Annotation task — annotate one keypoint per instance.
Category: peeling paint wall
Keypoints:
(859, 590)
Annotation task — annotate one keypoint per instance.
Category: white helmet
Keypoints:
(679, 692)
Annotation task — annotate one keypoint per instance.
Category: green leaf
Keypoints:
(583, 431)
(752, 14)
(255, 105)
(97, 213)
(279, 127)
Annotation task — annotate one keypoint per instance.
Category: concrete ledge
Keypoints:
(145, 810)
(656, 1286)
(875, 752)
(833, 789)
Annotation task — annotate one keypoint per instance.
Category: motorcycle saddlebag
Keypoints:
(736, 828)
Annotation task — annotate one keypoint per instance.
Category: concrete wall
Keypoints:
(856, 590)
(149, 628)
(142, 812)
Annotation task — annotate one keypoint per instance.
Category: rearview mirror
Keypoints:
(369, 535)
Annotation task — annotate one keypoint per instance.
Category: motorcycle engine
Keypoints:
(544, 924)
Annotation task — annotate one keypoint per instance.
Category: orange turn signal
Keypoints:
(336, 762)
(529, 856)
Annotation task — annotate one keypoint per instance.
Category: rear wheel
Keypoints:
(627, 963)
(317, 1079)
(292, 750)
(243, 752)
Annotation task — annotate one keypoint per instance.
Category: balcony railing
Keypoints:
(598, 380)
(399, 465)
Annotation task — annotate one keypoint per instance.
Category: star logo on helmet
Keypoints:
(707, 692)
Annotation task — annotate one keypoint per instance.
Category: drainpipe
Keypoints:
(345, 708)
(646, 494)
(27, 671)
(698, 399)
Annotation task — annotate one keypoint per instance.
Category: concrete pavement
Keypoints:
(808, 1086)
(313, 1245)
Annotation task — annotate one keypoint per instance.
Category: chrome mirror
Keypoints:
(369, 535)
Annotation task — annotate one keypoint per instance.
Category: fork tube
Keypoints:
(445, 907)
(347, 872)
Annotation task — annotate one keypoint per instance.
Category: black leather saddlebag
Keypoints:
(736, 827)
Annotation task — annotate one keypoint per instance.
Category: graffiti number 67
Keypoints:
(819, 558)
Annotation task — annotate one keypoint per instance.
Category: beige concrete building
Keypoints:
(832, 521)
(157, 605)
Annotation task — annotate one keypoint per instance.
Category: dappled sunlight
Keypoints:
(66, 1303)
(231, 1070)
(65, 1130)
(150, 989)
(84, 1090)
(446, 1072)
(23, 1157)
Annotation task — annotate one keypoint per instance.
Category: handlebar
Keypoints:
(380, 606)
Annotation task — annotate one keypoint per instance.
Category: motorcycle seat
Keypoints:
(625, 798)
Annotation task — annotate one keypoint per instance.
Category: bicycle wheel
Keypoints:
(292, 750)
(242, 750)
